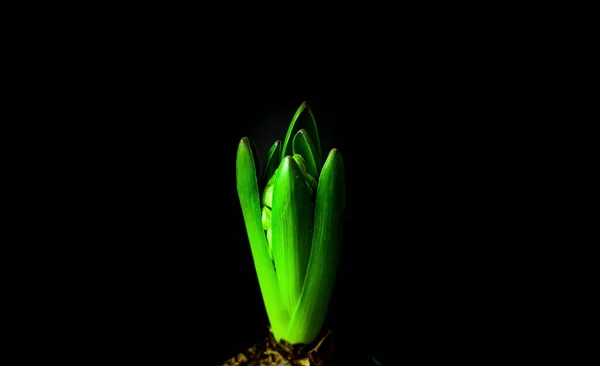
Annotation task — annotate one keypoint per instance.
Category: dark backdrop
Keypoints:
(171, 274)
(140, 112)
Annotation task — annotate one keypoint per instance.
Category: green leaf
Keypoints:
(291, 227)
(254, 149)
(311, 310)
(309, 124)
(303, 145)
(247, 188)
(273, 160)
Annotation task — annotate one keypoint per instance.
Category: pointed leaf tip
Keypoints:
(302, 144)
(288, 159)
(243, 142)
(272, 162)
(308, 123)
(247, 146)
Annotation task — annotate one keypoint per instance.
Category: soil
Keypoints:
(273, 353)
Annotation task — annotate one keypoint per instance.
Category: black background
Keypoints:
(178, 263)
(131, 119)
(166, 271)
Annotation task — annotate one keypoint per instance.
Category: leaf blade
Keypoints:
(310, 127)
(291, 230)
(302, 144)
(273, 160)
(248, 194)
(311, 310)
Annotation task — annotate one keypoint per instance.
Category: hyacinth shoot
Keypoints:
(293, 211)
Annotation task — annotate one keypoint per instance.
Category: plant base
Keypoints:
(273, 353)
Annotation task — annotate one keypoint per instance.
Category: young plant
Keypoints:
(293, 212)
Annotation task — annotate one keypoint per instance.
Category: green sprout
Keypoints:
(292, 211)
